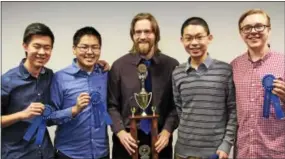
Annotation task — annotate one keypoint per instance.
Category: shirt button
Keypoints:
(252, 99)
(39, 94)
(251, 115)
(253, 85)
(251, 130)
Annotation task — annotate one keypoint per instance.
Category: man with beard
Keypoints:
(78, 93)
(123, 82)
(258, 136)
(24, 91)
(204, 95)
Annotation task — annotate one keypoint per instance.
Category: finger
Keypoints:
(158, 142)
(39, 106)
(84, 101)
(83, 94)
(159, 145)
(278, 92)
(126, 147)
(280, 85)
(131, 150)
(84, 97)
(35, 113)
(131, 139)
(106, 67)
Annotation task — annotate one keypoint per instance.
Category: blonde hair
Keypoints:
(253, 11)
(154, 27)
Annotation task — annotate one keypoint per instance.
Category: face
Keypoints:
(87, 51)
(38, 50)
(195, 40)
(144, 37)
(254, 31)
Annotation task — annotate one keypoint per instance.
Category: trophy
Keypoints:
(143, 99)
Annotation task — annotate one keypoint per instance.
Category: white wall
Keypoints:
(113, 19)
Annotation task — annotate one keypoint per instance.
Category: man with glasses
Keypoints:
(79, 92)
(123, 82)
(204, 96)
(24, 91)
(259, 135)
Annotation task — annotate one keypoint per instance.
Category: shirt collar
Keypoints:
(208, 61)
(74, 68)
(260, 60)
(24, 73)
(137, 58)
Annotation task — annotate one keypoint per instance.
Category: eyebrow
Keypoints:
(193, 35)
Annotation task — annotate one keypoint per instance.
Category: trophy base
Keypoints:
(143, 114)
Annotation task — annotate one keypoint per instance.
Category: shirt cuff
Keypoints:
(225, 147)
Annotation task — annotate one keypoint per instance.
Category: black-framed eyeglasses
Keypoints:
(258, 28)
(85, 48)
(198, 38)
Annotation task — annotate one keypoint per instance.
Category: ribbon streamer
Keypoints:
(97, 103)
(38, 123)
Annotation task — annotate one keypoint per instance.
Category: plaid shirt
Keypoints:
(257, 137)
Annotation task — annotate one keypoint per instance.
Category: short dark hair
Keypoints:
(195, 21)
(37, 29)
(86, 31)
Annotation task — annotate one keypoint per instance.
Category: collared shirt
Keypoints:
(123, 82)
(257, 137)
(18, 90)
(78, 137)
(205, 102)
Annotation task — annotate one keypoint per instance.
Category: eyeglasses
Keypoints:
(198, 38)
(139, 32)
(85, 48)
(258, 28)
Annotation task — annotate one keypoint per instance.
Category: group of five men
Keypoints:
(207, 100)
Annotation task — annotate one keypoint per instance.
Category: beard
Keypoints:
(143, 48)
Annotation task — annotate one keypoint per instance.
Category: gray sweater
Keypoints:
(205, 102)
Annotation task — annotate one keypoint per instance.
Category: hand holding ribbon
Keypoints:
(269, 97)
(38, 125)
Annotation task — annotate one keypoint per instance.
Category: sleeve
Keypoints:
(172, 121)
(231, 117)
(176, 97)
(5, 94)
(113, 99)
(58, 116)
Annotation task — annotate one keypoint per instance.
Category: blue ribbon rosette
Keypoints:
(269, 98)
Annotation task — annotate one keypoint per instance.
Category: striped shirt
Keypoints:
(205, 102)
(257, 137)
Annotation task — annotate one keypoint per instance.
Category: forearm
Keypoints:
(171, 121)
(8, 120)
(118, 124)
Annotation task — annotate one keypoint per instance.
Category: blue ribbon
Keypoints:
(38, 123)
(214, 156)
(269, 97)
(97, 103)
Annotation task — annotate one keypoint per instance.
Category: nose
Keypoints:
(89, 51)
(41, 51)
(143, 35)
(194, 42)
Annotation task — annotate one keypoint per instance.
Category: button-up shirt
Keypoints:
(258, 137)
(78, 137)
(123, 82)
(18, 90)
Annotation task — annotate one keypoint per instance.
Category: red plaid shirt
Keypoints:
(257, 137)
